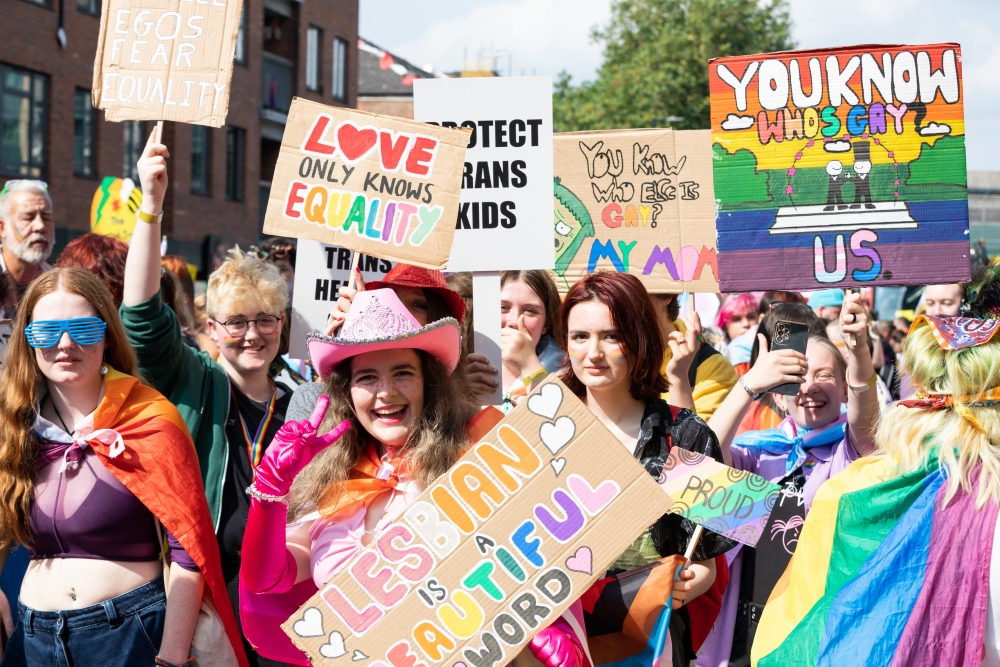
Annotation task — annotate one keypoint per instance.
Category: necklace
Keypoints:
(59, 417)
(255, 447)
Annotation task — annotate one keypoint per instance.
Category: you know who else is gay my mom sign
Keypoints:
(387, 187)
(839, 168)
(494, 551)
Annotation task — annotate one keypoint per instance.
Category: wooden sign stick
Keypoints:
(352, 275)
(852, 339)
(158, 132)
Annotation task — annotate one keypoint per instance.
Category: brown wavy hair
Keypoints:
(435, 444)
(542, 284)
(21, 385)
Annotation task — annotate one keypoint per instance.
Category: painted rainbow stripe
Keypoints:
(731, 502)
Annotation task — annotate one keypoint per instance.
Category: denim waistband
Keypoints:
(109, 611)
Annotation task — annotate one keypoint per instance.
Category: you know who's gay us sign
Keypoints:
(841, 167)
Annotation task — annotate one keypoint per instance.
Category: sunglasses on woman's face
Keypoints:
(44, 334)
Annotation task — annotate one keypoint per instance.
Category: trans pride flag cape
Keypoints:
(883, 574)
(160, 467)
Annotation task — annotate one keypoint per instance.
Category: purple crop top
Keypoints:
(85, 512)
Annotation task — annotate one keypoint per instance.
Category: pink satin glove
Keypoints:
(555, 646)
(294, 446)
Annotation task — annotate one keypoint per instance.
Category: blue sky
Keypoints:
(548, 36)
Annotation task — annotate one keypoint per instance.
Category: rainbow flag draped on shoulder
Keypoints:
(884, 574)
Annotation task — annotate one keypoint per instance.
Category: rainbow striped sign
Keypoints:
(731, 502)
(840, 167)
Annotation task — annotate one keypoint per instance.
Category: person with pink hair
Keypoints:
(737, 315)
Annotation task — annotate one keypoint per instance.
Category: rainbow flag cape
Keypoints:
(884, 574)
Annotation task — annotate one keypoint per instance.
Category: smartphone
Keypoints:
(789, 336)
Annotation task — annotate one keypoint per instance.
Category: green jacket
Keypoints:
(191, 380)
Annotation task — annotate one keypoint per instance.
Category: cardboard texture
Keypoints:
(840, 167)
(473, 580)
(114, 207)
(734, 503)
(504, 220)
(320, 271)
(636, 201)
(166, 60)
(387, 187)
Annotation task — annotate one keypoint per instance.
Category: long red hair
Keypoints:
(635, 324)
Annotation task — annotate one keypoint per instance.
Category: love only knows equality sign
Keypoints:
(494, 551)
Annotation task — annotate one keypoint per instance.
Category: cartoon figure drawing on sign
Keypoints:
(834, 169)
(862, 167)
(573, 226)
(789, 532)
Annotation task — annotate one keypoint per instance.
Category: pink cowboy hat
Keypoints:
(378, 320)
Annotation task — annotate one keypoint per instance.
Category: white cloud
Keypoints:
(734, 122)
(933, 128)
(837, 146)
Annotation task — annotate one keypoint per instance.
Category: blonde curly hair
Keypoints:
(244, 281)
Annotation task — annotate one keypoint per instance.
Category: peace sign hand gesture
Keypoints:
(294, 446)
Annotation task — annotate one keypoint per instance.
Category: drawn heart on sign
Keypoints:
(556, 435)
(335, 647)
(355, 142)
(358, 655)
(557, 466)
(547, 401)
(581, 561)
(593, 500)
(311, 624)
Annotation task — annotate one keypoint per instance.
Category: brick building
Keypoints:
(219, 177)
(385, 81)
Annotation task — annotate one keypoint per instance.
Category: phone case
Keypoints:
(789, 335)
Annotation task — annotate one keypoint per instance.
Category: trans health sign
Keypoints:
(840, 168)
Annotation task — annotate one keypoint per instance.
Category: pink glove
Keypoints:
(556, 646)
(294, 446)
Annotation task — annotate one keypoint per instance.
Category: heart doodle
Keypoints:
(593, 500)
(358, 655)
(335, 647)
(311, 624)
(557, 465)
(547, 401)
(355, 142)
(556, 435)
(581, 561)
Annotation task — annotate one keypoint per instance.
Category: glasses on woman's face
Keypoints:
(43, 334)
(237, 326)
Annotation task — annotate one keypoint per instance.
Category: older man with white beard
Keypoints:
(27, 230)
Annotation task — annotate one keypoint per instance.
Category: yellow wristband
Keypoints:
(865, 387)
(534, 377)
(149, 217)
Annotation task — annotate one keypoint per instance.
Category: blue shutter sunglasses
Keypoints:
(44, 334)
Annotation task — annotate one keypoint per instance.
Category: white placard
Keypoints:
(505, 215)
(320, 271)
(486, 289)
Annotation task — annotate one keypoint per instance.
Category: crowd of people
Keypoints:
(175, 487)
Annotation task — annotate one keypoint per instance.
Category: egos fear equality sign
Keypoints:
(387, 187)
(493, 551)
(840, 168)
(504, 222)
(166, 60)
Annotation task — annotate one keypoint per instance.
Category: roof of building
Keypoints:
(383, 73)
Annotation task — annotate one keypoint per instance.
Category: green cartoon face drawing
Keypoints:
(572, 226)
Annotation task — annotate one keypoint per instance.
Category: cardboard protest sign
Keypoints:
(493, 551)
(166, 60)
(114, 207)
(639, 202)
(320, 271)
(731, 502)
(387, 187)
(840, 167)
(504, 219)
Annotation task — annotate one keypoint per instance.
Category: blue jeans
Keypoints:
(125, 630)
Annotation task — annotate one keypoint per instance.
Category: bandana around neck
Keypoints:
(787, 438)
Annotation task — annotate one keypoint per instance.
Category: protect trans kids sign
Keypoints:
(840, 168)
(494, 551)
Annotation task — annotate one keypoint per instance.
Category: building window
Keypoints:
(201, 160)
(339, 90)
(314, 40)
(89, 6)
(43, 3)
(240, 56)
(134, 142)
(235, 152)
(84, 134)
(23, 108)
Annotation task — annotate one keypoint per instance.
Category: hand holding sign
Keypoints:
(152, 169)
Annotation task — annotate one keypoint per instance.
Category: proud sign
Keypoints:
(386, 187)
(494, 551)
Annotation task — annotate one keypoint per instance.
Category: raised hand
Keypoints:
(775, 367)
(517, 348)
(152, 170)
(294, 446)
(344, 300)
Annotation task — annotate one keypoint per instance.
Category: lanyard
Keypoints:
(255, 447)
